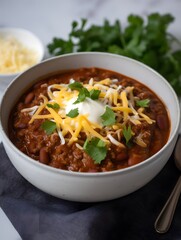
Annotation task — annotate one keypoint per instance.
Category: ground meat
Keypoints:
(33, 140)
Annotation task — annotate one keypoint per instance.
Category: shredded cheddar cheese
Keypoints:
(119, 99)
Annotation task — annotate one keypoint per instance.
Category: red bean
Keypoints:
(38, 85)
(121, 156)
(29, 98)
(134, 159)
(21, 125)
(20, 106)
(44, 156)
(162, 122)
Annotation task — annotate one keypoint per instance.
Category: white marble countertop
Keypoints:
(53, 18)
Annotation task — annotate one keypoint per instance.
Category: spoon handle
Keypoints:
(165, 217)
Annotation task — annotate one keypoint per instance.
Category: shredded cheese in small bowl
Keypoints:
(14, 56)
(19, 50)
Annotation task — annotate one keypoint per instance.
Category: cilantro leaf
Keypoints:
(75, 86)
(96, 149)
(94, 94)
(143, 103)
(48, 126)
(109, 117)
(83, 93)
(59, 46)
(73, 113)
(127, 133)
(54, 106)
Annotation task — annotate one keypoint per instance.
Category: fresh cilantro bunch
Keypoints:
(147, 41)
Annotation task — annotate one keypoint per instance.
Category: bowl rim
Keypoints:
(18, 29)
(148, 161)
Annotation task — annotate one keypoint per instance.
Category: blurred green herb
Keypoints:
(73, 113)
(94, 94)
(127, 133)
(54, 106)
(48, 126)
(146, 41)
(96, 149)
(143, 103)
(83, 92)
(75, 86)
(109, 117)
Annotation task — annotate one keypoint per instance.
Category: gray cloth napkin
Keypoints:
(39, 216)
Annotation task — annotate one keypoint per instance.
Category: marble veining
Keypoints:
(53, 18)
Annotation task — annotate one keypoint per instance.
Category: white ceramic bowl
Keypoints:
(90, 187)
(29, 40)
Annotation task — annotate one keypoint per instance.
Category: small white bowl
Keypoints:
(90, 187)
(29, 40)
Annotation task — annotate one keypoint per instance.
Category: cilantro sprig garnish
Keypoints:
(143, 103)
(96, 149)
(83, 92)
(54, 106)
(75, 86)
(73, 113)
(109, 117)
(127, 133)
(145, 40)
(94, 94)
(48, 126)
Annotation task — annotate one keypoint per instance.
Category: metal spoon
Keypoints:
(163, 222)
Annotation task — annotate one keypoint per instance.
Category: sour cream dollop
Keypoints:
(93, 108)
